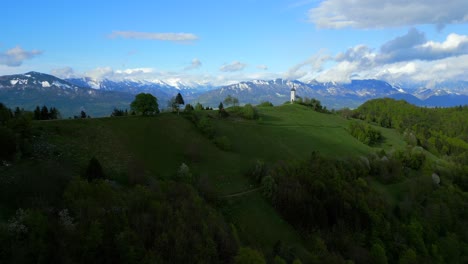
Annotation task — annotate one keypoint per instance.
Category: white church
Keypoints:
(293, 94)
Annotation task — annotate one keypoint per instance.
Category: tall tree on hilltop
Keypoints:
(145, 104)
(179, 101)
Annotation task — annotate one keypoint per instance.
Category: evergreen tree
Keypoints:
(54, 113)
(44, 113)
(179, 100)
(37, 113)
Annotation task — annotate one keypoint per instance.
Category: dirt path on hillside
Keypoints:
(241, 193)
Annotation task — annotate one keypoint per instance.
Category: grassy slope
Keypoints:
(158, 145)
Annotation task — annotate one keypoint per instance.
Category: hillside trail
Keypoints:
(241, 193)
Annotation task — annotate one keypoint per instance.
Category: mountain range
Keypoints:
(99, 97)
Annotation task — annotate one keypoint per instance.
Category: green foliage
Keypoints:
(184, 174)
(408, 257)
(43, 113)
(179, 100)
(268, 186)
(188, 108)
(106, 223)
(313, 103)
(119, 112)
(5, 114)
(249, 112)
(145, 104)
(94, 170)
(206, 127)
(265, 104)
(249, 256)
(279, 260)
(442, 131)
(199, 107)
(230, 100)
(221, 111)
(8, 144)
(378, 254)
(297, 261)
(364, 133)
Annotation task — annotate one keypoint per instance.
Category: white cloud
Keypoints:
(100, 73)
(414, 46)
(196, 63)
(341, 72)
(387, 13)
(410, 57)
(315, 63)
(14, 57)
(233, 67)
(64, 73)
(134, 71)
(453, 43)
(262, 67)
(177, 37)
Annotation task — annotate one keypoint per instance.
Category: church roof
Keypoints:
(293, 89)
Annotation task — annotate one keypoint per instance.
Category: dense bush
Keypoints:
(265, 104)
(249, 112)
(364, 133)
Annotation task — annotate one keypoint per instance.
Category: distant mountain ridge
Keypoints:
(98, 98)
(332, 94)
(33, 88)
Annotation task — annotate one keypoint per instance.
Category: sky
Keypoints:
(223, 42)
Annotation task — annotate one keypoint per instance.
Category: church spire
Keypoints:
(293, 94)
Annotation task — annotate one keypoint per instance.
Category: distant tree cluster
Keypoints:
(15, 133)
(82, 115)
(313, 103)
(231, 101)
(265, 104)
(119, 112)
(442, 131)
(364, 133)
(46, 114)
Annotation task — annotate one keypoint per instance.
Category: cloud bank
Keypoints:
(175, 37)
(16, 56)
(233, 67)
(409, 58)
(387, 13)
(196, 63)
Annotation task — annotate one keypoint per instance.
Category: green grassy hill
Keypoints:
(132, 147)
(161, 143)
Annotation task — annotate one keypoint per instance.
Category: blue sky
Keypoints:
(228, 41)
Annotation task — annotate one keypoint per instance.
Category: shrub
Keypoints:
(265, 104)
(206, 127)
(249, 112)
